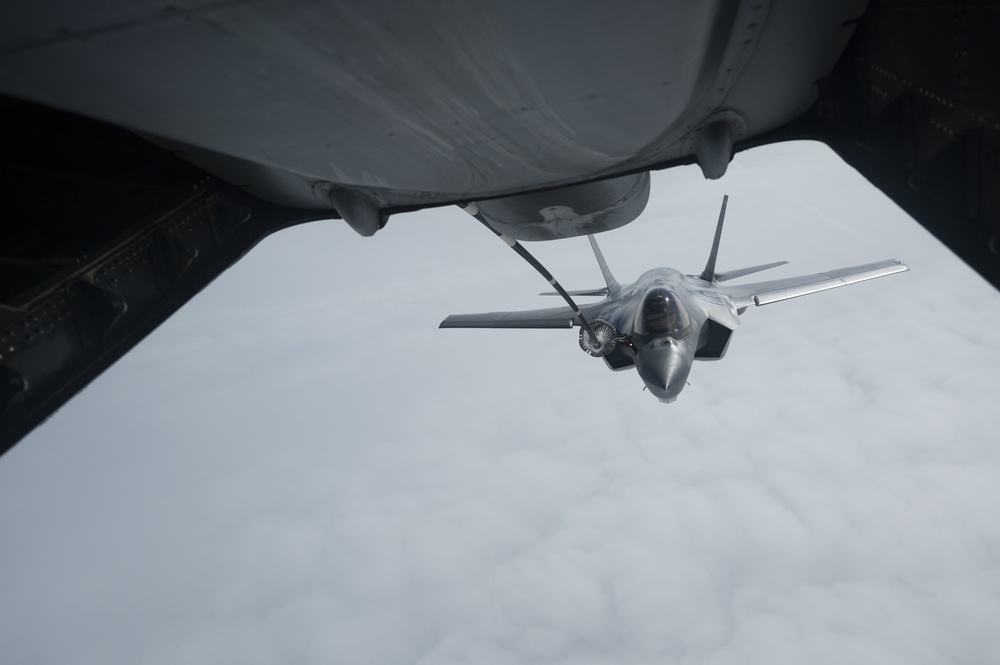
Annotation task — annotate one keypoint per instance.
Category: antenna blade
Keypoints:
(709, 273)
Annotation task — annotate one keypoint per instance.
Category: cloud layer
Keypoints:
(299, 467)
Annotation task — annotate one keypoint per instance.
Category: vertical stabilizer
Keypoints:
(609, 279)
(709, 273)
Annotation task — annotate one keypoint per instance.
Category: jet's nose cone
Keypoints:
(664, 369)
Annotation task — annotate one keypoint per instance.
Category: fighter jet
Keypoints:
(665, 320)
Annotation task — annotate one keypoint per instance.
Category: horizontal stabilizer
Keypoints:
(603, 291)
(733, 274)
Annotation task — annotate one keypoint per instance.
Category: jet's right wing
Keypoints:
(764, 293)
(556, 317)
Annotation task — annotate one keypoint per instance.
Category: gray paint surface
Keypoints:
(343, 483)
(421, 103)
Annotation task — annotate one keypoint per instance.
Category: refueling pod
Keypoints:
(567, 212)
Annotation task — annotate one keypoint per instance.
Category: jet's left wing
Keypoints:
(556, 317)
(764, 293)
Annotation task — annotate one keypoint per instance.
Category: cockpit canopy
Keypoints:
(661, 314)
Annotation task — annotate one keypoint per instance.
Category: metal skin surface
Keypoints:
(569, 211)
(415, 104)
(702, 311)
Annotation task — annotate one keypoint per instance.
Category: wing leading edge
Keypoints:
(765, 293)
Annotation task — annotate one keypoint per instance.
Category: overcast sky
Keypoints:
(299, 467)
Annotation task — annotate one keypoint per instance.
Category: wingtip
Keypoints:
(899, 265)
